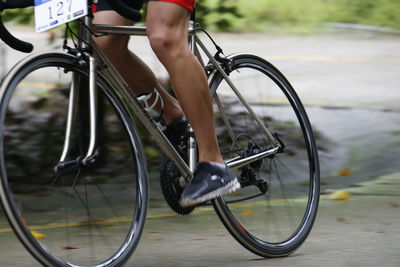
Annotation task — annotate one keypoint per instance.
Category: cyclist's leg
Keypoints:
(136, 73)
(167, 26)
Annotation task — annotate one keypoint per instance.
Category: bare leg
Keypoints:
(167, 30)
(135, 72)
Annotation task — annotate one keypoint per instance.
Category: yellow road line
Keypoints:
(328, 104)
(97, 222)
(284, 101)
(149, 216)
(38, 85)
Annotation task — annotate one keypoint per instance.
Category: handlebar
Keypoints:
(5, 35)
(8, 4)
(118, 5)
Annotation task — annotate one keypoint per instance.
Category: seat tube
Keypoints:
(192, 150)
(192, 147)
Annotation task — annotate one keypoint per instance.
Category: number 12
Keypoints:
(60, 9)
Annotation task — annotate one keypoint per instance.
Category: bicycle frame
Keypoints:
(97, 58)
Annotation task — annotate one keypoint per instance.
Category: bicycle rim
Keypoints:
(86, 216)
(274, 211)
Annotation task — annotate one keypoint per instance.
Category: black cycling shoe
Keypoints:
(177, 134)
(210, 180)
(171, 179)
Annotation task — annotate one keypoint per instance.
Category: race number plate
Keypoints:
(51, 13)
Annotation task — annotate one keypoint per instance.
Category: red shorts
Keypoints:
(189, 4)
(137, 4)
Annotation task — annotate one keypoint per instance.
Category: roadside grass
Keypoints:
(303, 16)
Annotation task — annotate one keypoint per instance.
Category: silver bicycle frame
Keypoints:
(97, 58)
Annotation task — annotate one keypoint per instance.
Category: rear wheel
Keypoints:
(89, 215)
(274, 211)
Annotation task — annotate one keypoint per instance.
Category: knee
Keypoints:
(166, 44)
(160, 41)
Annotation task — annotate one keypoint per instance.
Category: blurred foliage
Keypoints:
(267, 15)
(22, 16)
(219, 15)
(262, 15)
(375, 12)
(299, 15)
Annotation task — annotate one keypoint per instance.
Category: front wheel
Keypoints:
(86, 215)
(274, 211)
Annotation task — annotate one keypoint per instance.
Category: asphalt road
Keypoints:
(350, 84)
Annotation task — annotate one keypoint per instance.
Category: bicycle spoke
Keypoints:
(274, 227)
(286, 199)
(106, 199)
(54, 180)
(66, 219)
(73, 187)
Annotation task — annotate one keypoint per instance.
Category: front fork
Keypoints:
(83, 57)
(73, 103)
(90, 155)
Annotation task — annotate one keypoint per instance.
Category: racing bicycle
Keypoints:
(73, 171)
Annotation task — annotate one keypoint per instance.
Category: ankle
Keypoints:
(210, 158)
(172, 113)
(168, 119)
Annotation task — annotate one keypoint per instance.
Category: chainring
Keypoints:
(171, 187)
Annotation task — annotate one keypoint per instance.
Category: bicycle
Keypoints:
(74, 182)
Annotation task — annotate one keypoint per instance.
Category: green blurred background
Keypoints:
(288, 16)
(297, 15)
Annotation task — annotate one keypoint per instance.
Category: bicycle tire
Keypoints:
(89, 216)
(274, 223)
